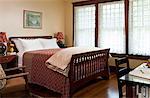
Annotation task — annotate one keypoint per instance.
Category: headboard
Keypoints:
(30, 37)
(27, 37)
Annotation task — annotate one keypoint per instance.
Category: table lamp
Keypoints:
(3, 40)
(59, 36)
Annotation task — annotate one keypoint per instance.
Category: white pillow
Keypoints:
(32, 44)
(18, 45)
(2, 75)
(49, 43)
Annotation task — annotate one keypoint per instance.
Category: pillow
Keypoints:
(32, 44)
(49, 43)
(18, 45)
(2, 75)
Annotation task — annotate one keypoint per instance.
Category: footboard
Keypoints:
(87, 66)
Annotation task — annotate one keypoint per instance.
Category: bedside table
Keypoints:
(8, 61)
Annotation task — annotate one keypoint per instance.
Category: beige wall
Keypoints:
(68, 22)
(11, 16)
(78, 0)
(56, 16)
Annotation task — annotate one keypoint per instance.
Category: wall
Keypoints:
(68, 22)
(11, 16)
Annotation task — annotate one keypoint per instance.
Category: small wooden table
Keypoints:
(8, 61)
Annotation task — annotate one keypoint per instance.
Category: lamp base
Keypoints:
(2, 49)
(61, 44)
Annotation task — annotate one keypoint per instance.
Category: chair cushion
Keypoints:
(2, 75)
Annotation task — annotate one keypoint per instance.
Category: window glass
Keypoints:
(84, 26)
(112, 26)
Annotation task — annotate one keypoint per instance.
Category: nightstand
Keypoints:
(8, 61)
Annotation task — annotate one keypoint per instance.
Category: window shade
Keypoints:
(84, 26)
(111, 26)
(139, 27)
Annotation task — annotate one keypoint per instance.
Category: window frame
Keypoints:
(126, 8)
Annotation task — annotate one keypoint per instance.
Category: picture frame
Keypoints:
(32, 19)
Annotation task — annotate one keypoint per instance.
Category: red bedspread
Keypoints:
(43, 76)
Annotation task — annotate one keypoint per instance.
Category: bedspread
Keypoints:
(43, 76)
(60, 61)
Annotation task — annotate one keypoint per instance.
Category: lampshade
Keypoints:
(59, 36)
(3, 37)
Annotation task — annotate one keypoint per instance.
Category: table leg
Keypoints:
(130, 90)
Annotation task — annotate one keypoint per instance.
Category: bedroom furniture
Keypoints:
(120, 71)
(25, 37)
(8, 61)
(3, 41)
(61, 44)
(84, 67)
(137, 85)
(14, 82)
(133, 62)
(60, 37)
(11, 48)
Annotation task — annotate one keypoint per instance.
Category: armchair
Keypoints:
(14, 82)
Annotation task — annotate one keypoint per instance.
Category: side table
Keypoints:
(8, 61)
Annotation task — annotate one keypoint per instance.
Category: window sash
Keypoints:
(139, 27)
(112, 26)
(84, 25)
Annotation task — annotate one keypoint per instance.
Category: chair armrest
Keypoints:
(14, 68)
(15, 76)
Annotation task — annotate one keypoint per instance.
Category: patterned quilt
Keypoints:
(43, 76)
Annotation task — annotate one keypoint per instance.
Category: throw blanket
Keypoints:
(59, 61)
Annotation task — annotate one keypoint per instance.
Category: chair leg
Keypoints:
(0, 95)
(120, 91)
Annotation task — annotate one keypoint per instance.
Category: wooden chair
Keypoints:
(15, 82)
(121, 70)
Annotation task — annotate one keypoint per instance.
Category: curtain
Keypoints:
(139, 27)
(84, 26)
(111, 26)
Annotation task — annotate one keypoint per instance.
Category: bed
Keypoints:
(83, 68)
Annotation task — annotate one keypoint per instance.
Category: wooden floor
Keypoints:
(99, 89)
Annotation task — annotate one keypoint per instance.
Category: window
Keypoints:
(111, 26)
(84, 26)
(122, 26)
(139, 27)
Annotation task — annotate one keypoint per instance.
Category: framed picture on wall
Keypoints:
(32, 19)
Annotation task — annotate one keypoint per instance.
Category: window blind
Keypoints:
(84, 25)
(111, 26)
(139, 27)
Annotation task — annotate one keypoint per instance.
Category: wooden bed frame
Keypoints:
(84, 67)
